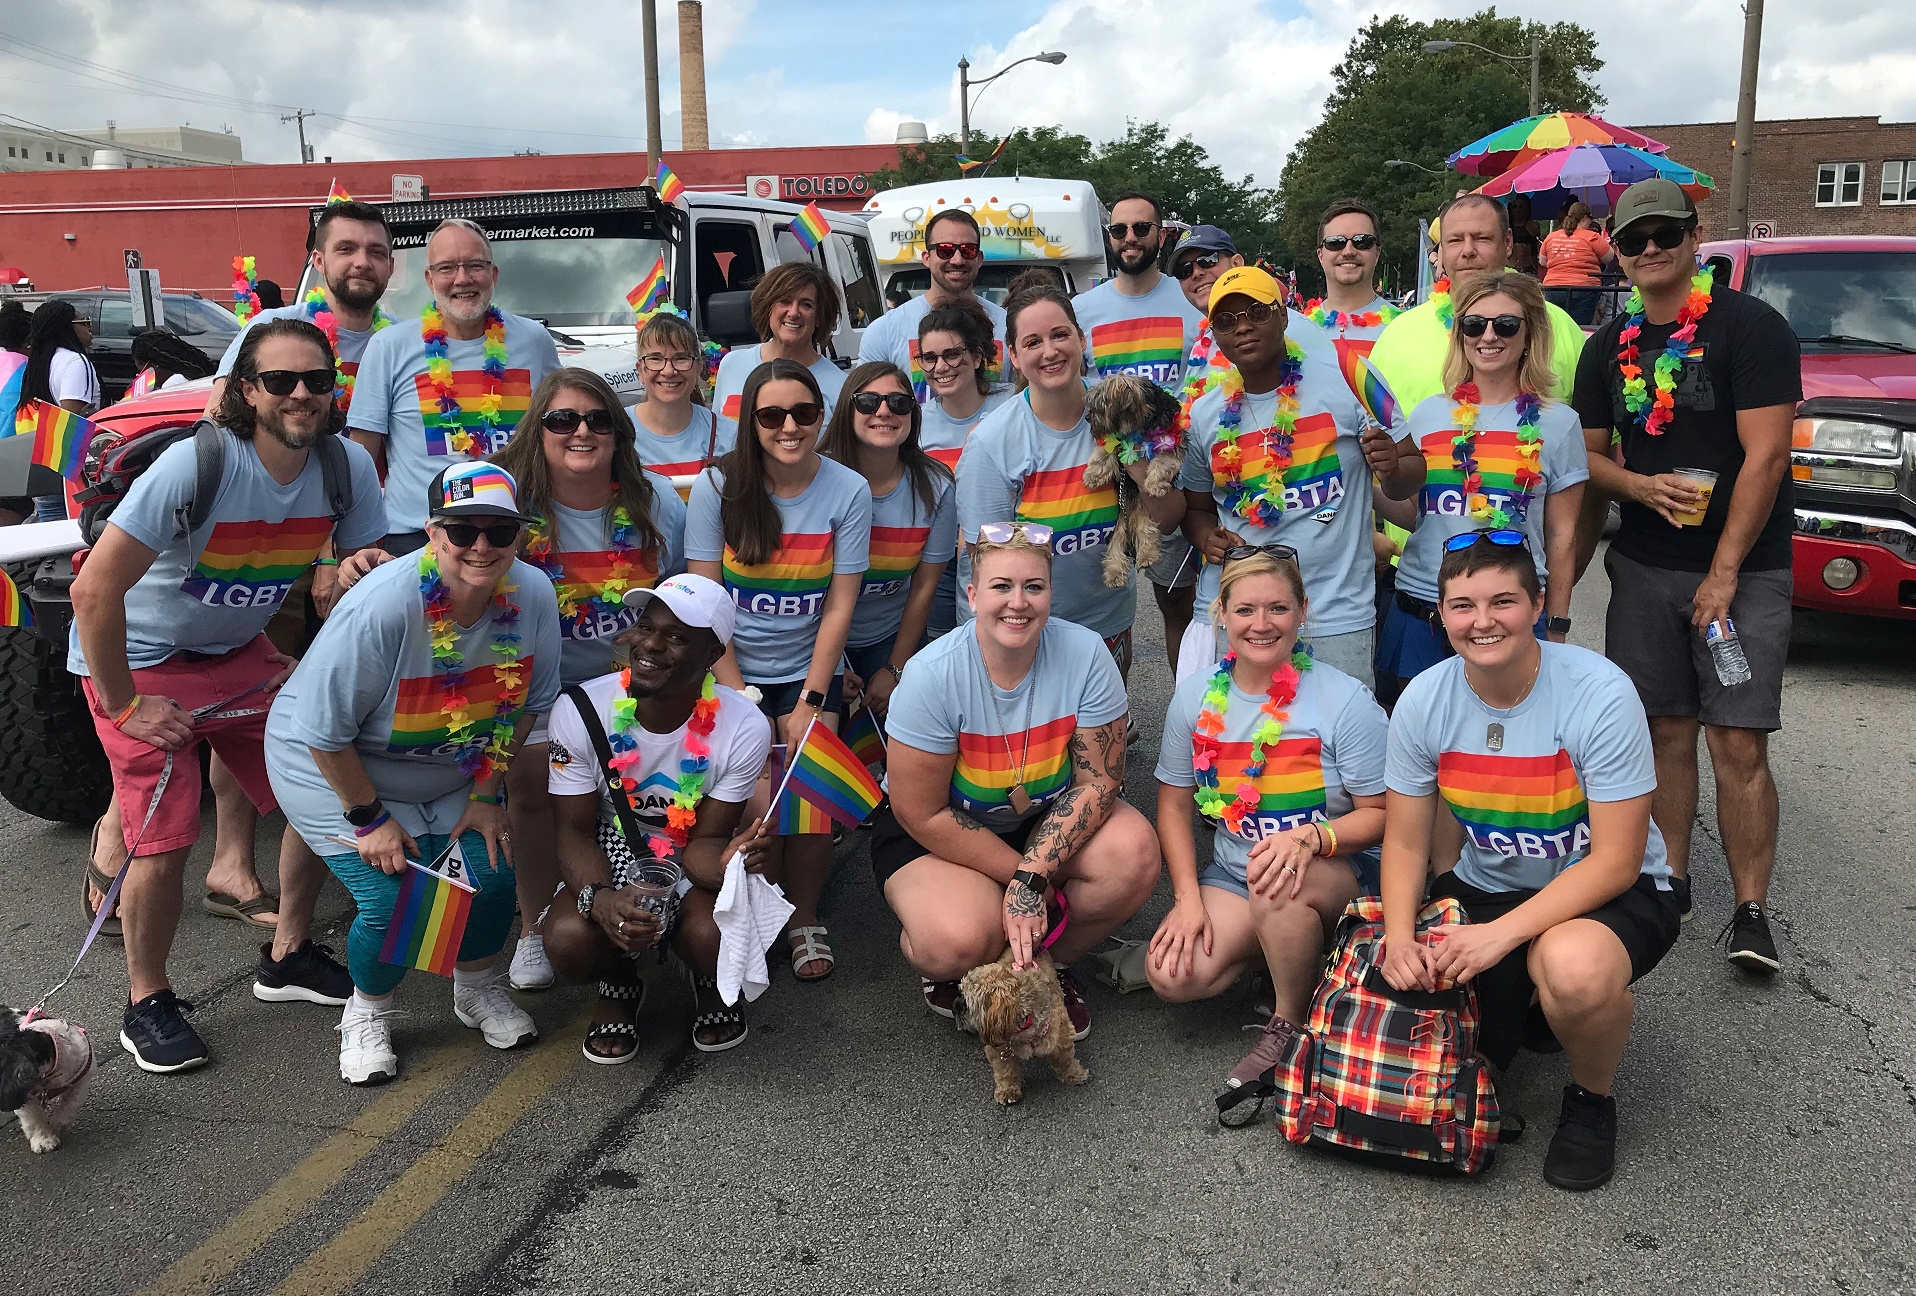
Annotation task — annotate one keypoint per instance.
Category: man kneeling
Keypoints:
(1542, 752)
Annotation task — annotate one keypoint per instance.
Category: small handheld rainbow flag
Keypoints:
(337, 194)
(429, 920)
(669, 185)
(649, 294)
(826, 781)
(1372, 392)
(865, 739)
(60, 437)
(13, 608)
(810, 227)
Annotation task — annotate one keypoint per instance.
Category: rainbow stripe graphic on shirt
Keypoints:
(1150, 347)
(254, 564)
(1079, 517)
(982, 780)
(468, 388)
(420, 727)
(894, 556)
(729, 408)
(793, 583)
(1529, 806)
(1315, 478)
(583, 573)
(1498, 459)
(994, 369)
(1290, 791)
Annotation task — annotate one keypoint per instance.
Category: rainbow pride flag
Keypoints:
(810, 227)
(337, 194)
(827, 779)
(15, 612)
(429, 919)
(649, 294)
(865, 739)
(60, 437)
(669, 185)
(1372, 392)
(968, 165)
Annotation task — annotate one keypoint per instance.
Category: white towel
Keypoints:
(750, 913)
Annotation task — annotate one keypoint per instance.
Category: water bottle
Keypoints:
(1726, 650)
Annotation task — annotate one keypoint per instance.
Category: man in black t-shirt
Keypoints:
(1704, 486)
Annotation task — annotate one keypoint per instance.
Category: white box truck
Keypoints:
(1025, 221)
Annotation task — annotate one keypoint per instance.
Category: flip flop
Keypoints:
(101, 882)
(221, 905)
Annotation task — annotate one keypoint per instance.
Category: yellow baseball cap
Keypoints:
(1249, 280)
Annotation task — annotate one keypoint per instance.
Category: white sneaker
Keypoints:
(366, 1045)
(486, 1007)
(531, 969)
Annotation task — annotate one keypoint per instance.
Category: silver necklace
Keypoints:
(1016, 795)
(1494, 731)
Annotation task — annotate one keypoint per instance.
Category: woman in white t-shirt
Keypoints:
(794, 313)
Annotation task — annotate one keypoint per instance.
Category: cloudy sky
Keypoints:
(406, 78)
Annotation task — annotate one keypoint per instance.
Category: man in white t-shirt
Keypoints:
(953, 254)
(664, 711)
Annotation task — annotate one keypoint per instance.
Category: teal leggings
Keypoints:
(487, 923)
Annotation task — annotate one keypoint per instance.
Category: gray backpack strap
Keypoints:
(337, 473)
(209, 458)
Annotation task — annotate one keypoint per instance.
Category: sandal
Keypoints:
(729, 1022)
(807, 947)
(627, 1031)
(221, 905)
(101, 882)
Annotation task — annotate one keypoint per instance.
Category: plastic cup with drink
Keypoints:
(1705, 482)
(655, 885)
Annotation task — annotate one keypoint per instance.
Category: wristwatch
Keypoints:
(1557, 625)
(813, 699)
(1036, 881)
(586, 895)
(360, 816)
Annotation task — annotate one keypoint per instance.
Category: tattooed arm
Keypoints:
(920, 786)
(1097, 776)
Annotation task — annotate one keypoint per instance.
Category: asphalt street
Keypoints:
(1768, 1128)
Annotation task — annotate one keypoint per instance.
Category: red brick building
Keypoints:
(1813, 175)
(70, 229)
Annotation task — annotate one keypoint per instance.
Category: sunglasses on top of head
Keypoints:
(1202, 261)
(1336, 242)
(1506, 326)
(772, 418)
(1633, 243)
(281, 382)
(598, 421)
(962, 251)
(1139, 230)
(1281, 552)
(867, 402)
(1502, 537)
(463, 535)
(1002, 533)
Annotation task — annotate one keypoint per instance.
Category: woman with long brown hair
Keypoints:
(794, 313)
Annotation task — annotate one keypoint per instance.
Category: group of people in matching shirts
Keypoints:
(528, 603)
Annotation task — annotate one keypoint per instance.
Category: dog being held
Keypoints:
(1132, 420)
(45, 1066)
(1019, 1015)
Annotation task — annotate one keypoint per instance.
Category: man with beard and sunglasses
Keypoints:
(168, 622)
(1349, 247)
(449, 387)
(1691, 556)
(954, 254)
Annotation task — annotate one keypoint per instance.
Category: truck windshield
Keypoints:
(1848, 298)
(573, 278)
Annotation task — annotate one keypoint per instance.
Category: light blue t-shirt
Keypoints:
(581, 563)
(946, 703)
(943, 436)
(352, 342)
(825, 532)
(893, 336)
(1148, 335)
(704, 439)
(1332, 748)
(737, 366)
(1016, 468)
(904, 534)
(1579, 735)
(215, 590)
(393, 399)
(1327, 506)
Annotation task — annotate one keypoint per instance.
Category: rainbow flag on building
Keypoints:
(60, 437)
(864, 738)
(826, 781)
(13, 608)
(668, 185)
(429, 920)
(1372, 392)
(810, 227)
(649, 293)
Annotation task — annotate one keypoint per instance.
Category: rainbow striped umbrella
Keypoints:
(1591, 173)
(1526, 140)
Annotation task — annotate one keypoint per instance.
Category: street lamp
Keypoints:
(1534, 58)
(1394, 163)
(965, 83)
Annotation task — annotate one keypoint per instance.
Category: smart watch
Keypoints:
(1036, 881)
(1557, 625)
(586, 894)
(360, 816)
(813, 699)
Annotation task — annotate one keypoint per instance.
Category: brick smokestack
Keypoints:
(692, 123)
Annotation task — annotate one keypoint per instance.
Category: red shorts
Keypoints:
(239, 741)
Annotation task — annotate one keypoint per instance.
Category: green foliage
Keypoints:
(1393, 100)
(1178, 172)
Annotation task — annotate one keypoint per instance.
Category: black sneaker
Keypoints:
(1748, 936)
(1680, 888)
(159, 1037)
(310, 974)
(1074, 1005)
(1583, 1152)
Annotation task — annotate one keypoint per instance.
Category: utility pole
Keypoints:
(299, 116)
(1743, 155)
(654, 143)
(1536, 75)
(964, 106)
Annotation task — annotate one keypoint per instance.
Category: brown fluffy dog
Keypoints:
(1141, 418)
(1019, 1015)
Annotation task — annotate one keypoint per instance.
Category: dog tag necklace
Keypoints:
(1015, 795)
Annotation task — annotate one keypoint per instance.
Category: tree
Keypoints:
(1178, 172)
(1392, 100)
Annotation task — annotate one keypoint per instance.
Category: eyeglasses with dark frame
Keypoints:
(463, 535)
(1633, 243)
(281, 382)
(654, 363)
(772, 417)
(1507, 326)
(1139, 230)
(867, 402)
(1336, 242)
(950, 358)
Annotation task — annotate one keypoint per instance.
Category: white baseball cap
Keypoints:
(696, 600)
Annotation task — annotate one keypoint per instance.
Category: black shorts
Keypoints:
(893, 847)
(782, 699)
(1644, 919)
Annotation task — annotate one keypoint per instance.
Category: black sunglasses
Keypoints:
(772, 418)
(963, 251)
(280, 382)
(1139, 229)
(1202, 261)
(598, 421)
(500, 535)
(1503, 536)
(1507, 326)
(1227, 321)
(1281, 552)
(1632, 243)
(1336, 242)
(867, 402)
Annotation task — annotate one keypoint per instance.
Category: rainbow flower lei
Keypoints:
(1325, 318)
(1440, 298)
(693, 766)
(1463, 452)
(432, 331)
(1204, 369)
(320, 311)
(1653, 415)
(482, 749)
(1259, 506)
(581, 602)
(1207, 740)
(245, 288)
